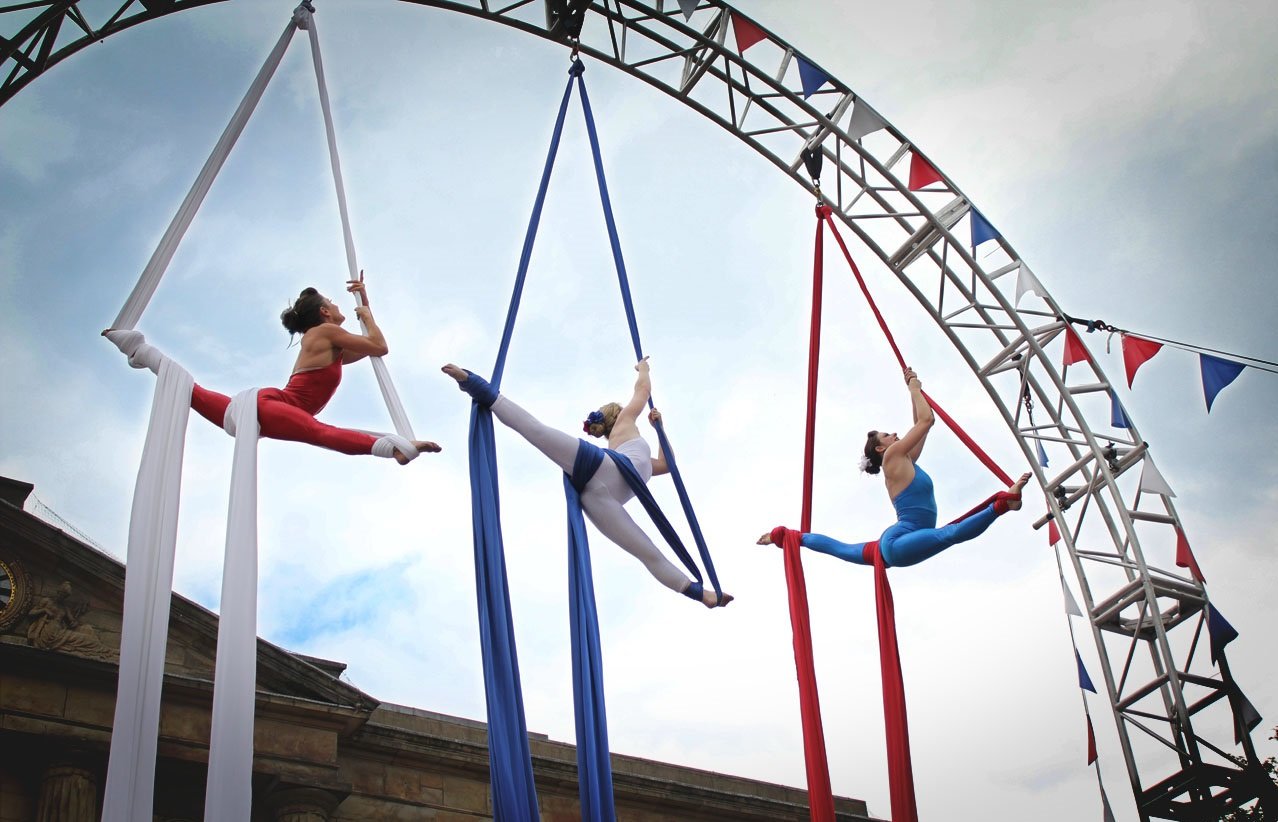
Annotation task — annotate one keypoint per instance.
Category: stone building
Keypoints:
(324, 750)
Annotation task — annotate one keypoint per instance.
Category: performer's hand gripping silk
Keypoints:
(914, 537)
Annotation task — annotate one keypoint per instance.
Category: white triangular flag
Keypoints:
(863, 121)
(1071, 605)
(1026, 281)
(1151, 480)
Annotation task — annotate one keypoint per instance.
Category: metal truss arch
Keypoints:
(1173, 709)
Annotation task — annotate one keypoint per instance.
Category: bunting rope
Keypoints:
(130, 783)
(1242, 359)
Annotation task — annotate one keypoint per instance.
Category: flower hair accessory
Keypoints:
(865, 463)
(592, 418)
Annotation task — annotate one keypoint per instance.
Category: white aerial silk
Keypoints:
(130, 784)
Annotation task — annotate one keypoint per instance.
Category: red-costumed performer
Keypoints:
(288, 413)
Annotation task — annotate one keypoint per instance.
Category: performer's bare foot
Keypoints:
(709, 599)
(1014, 493)
(766, 539)
(422, 446)
(456, 373)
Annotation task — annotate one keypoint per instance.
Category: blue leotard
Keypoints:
(914, 536)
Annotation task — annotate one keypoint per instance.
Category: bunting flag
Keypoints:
(1027, 282)
(747, 33)
(1217, 373)
(1084, 681)
(1091, 741)
(1117, 416)
(1220, 632)
(1105, 808)
(1053, 533)
(1151, 479)
(1247, 717)
(1075, 351)
(922, 174)
(811, 77)
(863, 121)
(982, 230)
(1071, 604)
(1042, 454)
(1185, 557)
(688, 7)
(1136, 352)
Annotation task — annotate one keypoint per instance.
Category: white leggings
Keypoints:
(603, 496)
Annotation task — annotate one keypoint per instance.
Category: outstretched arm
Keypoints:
(659, 465)
(643, 390)
(912, 443)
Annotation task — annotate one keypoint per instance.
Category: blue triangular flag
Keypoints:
(1117, 416)
(1220, 631)
(1248, 717)
(1084, 681)
(981, 229)
(1217, 373)
(688, 7)
(1042, 454)
(811, 77)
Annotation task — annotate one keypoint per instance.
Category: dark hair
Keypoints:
(873, 458)
(304, 313)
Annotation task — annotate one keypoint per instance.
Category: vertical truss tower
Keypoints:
(1177, 715)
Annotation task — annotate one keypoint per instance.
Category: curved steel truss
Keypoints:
(1175, 712)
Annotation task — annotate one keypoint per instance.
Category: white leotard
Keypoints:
(607, 490)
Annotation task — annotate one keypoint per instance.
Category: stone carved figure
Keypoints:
(56, 625)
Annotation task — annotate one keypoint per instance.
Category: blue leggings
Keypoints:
(907, 543)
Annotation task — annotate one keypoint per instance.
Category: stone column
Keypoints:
(302, 804)
(68, 793)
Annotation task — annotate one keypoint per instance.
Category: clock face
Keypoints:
(13, 593)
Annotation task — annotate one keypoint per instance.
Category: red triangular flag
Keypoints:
(1136, 352)
(747, 33)
(1053, 533)
(921, 172)
(1185, 557)
(1075, 351)
(1091, 741)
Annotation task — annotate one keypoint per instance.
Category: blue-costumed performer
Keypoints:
(914, 537)
(604, 497)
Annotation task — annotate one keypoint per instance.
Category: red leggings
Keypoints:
(279, 420)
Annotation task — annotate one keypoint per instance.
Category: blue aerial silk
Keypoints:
(510, 762)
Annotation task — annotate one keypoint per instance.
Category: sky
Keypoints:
(1128, 150)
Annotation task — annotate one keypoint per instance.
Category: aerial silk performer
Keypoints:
(914, 537)
(607, 491)
(288, 413)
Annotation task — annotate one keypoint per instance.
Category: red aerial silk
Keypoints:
(900, 770)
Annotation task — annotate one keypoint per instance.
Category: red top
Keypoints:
(310, 390)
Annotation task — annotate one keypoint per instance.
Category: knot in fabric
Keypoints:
(133, 345)
(302, 16)
(577, 68)
(388, 444)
